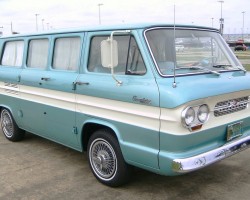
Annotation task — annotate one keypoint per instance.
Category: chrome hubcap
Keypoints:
(7, 123)
(103, 159)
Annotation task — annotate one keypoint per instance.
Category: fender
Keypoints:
(91, 125)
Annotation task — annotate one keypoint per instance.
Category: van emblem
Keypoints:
(232, 103)
(141, 100)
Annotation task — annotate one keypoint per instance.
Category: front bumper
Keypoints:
(184, 165)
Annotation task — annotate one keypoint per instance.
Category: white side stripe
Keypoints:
(124, 112)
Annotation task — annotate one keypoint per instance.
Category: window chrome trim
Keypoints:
(179, 28)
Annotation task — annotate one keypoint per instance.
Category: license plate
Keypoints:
(234, 130)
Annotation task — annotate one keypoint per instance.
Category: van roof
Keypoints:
(107, 28)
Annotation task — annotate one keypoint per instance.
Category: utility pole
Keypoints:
(99, 6)
(43, 24)
(243, 24)
(11, 28)
(36, 22)
(221, 19)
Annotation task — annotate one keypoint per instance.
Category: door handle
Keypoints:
(45, 78)
(81, 83)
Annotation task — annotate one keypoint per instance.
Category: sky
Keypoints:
(60, 14)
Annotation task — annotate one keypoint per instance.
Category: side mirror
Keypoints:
(109, 53)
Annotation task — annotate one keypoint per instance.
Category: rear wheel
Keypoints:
(9, 127)
(106, 160)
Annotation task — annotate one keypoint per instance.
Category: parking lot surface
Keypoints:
(36, 168)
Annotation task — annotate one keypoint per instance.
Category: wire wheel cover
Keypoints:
(7, 124)
(103, 159)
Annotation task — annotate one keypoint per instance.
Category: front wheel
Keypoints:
(106, 160)
(9, 127)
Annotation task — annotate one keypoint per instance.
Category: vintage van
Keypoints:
(127, 97)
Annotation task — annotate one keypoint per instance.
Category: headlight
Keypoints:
(189, 116)
(203, 113)
(194, 117)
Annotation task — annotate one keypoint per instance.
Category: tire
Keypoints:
(9, 127)
(106, 160)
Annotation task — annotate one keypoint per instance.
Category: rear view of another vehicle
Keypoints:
(240, 47)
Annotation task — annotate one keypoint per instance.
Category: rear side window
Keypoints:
(66, 53)
(38, 53)
(13, 54)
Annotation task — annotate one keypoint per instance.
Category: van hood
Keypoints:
(196, 87)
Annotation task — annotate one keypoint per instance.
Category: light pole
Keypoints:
(36, 22)
(221, 19)
(11, 28)
(212, 22)
(43, 24)
(99, 6)
(243, 13)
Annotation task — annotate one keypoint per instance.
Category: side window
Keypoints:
(66, 53)
(130, 61)
(38, 53)
(135, 64)
(13, 54)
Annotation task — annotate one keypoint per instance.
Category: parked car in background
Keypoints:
(179, 47)
(240, 47)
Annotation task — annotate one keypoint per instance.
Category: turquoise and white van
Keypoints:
(170, 99)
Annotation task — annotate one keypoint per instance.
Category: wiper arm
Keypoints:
(221, 66)
(214, 72)
(241, 68)
(224, 66)
(202, 68)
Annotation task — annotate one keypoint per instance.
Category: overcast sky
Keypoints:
(57, 14)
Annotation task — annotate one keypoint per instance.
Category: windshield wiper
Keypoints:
(224, 66)
(241, 68)
(221, 66)
(202, 68)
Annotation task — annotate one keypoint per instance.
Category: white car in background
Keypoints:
(179, 48)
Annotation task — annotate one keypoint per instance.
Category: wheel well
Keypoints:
(89, 129)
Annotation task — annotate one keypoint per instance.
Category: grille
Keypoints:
(230, 106)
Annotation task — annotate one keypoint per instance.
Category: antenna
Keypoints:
(174, 83)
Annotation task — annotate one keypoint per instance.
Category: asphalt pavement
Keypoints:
(36, 168)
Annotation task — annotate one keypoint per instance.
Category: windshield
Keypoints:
(193, 51)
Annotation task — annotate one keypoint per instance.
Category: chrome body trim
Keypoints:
(184, 165)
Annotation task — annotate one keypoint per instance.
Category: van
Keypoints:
(124, 95)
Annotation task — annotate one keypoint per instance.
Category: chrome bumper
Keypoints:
(184, 165)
